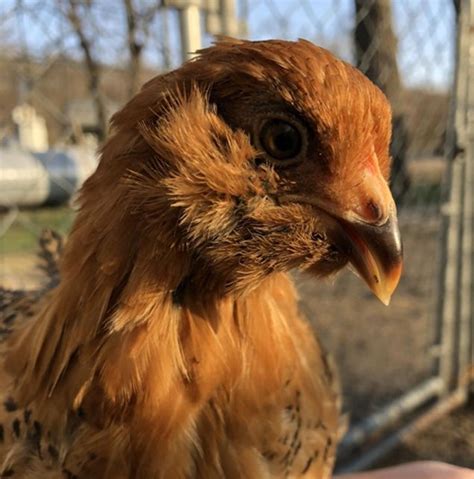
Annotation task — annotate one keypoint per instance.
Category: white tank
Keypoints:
(35, 179)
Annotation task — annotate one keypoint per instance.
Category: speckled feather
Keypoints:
(173, 346)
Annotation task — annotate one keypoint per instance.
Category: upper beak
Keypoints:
(375, 251)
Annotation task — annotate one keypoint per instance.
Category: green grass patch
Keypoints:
(22, 235)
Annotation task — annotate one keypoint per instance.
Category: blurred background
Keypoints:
(67, 65)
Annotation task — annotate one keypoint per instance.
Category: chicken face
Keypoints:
(276, 157)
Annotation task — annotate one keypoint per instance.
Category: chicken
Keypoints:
(173, 346)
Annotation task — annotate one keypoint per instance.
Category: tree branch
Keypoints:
(92, 66)
(134, 47)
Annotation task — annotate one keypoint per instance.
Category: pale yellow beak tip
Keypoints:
(388, 282)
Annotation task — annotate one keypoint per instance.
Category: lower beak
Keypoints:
(375, 252)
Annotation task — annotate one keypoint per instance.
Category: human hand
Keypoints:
(415, 470)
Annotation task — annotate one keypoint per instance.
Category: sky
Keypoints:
(424, 28)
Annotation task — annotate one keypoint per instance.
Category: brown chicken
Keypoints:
(173, 346)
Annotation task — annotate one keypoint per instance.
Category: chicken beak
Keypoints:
(376, 254)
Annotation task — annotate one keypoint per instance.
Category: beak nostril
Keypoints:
(375, 211)
(370, 212)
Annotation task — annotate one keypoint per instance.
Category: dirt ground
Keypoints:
(449, 440)
(381, 352)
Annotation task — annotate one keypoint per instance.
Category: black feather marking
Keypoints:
(297, 448)
(269, 455)
(16, 427)
(27, 415)
(4, 331)
(53, 452)
(284, 459)
(295, 438)
(8, 319)
(307, 465)
(326, 448)
(34, 436)
(10, 404)
(69, 474)
(298, 423)
(177, 295)
(51, 247)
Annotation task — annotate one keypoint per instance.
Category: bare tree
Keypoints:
(69, 8)
(376, 56)
(134, 45)
(111, 42)
(138, 24)
(457, 6)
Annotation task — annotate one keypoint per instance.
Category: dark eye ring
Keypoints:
(280, 139)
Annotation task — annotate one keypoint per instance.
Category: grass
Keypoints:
(22, 235)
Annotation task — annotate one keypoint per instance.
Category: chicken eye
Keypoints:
(280, 139)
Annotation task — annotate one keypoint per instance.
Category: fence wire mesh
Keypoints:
(406, 47)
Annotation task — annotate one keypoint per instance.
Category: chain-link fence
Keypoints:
(401, 366)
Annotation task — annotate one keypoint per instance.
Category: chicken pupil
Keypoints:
(281, 140)
(285, 142)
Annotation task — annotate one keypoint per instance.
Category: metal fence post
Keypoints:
(189, 25)
(451, 325)
(467, 306)
(229, 22)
